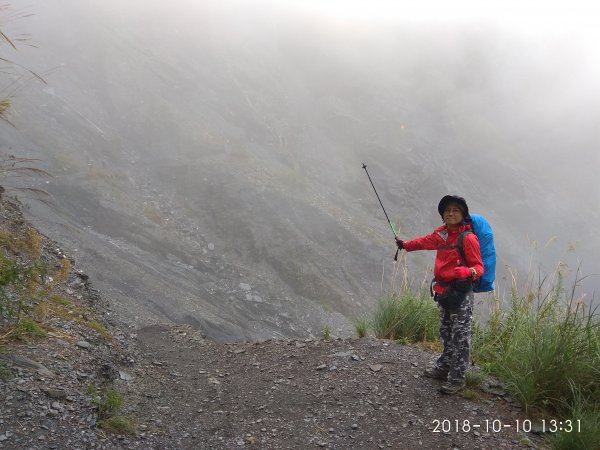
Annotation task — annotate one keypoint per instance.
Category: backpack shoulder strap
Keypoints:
(459, 245)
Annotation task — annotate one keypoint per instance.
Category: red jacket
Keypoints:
(447, 259)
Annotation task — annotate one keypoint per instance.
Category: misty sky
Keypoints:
(576, 21)
(535, 71)
(244, 123)
(516, 81)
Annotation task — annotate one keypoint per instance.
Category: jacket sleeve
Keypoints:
(428, 242)
(473, 254)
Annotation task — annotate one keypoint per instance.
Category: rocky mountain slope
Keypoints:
(212, 176)
(184, 391)
(207, 188)
(67, 342)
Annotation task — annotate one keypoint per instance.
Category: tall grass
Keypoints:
(361, 325)
(541, 346)
(404, 312)
(544, 345)
(406, 316)
(546, 348)
(587, 435)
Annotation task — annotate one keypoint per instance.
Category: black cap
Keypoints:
(461, 202)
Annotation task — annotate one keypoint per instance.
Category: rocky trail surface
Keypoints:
(348, 393)
(185, 392)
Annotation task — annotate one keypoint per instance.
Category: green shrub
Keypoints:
(406, 316)
(9, 271)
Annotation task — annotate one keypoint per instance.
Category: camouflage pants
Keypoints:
(455, 332)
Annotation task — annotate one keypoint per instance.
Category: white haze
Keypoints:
(536, 68)
(420, 91)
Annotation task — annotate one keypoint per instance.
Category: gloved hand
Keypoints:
(462, 272)
(399, 243)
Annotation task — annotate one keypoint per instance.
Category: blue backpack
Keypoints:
(483, 230)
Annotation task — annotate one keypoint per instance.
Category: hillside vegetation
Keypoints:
(544, 347)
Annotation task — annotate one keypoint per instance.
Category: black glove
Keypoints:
(399, 243)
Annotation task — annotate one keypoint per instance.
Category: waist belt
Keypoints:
(441, 283)
(462, 282)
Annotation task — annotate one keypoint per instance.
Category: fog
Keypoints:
(219, 144)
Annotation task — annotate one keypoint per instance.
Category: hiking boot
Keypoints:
(452, 388)
(436, 372)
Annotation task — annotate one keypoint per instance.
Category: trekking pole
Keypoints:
(364, 166)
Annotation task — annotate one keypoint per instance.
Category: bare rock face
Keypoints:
(176, 178)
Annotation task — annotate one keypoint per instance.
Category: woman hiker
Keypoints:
(452, 288)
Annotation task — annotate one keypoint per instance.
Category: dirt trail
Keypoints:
(192, 393)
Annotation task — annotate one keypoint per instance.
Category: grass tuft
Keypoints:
(60, 300)
(361, 325)
(62, 274)
(33, 243)
(5, 372)
(4, 105)
(28, 328)
(101, 329)
(470, 394)
(406, 317)
(117, 425)
(475, 378)
(108, 403)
